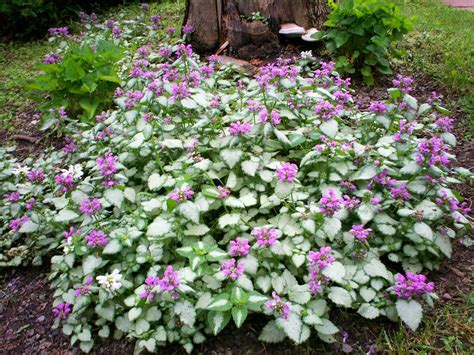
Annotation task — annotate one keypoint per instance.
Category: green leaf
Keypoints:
(239, 314)
(90, 263)
(114, 196)
(113, 247)
(134, 313)
(142, 326)
(294, 328)
(220, 303)
(218, 320)
(340, 296)
(368, 311)
(335, 271)
(283, 189)
(327, 328)
(189, 210)
(231, 156)
(329, 128)
(186, 312)
(29, 227)
(158, 228)
(410, 312)
(423, 230)
(271, 333)
(65, 216)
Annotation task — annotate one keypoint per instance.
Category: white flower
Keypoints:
(21, 170)
(110, 281)
(75, 170)
(306, 55)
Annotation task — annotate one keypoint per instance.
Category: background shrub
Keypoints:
(23, 19)
(361, 33)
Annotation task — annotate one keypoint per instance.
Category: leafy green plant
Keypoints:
(82, 82)
(361, 33)
(255, 16)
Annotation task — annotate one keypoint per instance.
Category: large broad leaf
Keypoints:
(218, 320)
(90, 263)
(65, 216)
(329, 128)
(271, 333)
(294, 328)
(410, 312)
(239, 314)
(185, 311)
(114, 196)
(368, 311)
(340, 296)
(158, 228)
(190, 210)
(231, 156)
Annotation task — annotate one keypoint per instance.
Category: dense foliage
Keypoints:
(204, 195)
(361, 33)
(27, 19)
(82, 82)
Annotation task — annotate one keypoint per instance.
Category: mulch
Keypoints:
(26, 298)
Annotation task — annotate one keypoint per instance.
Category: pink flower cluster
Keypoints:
(275, 118)
(89, 207)
(360, 232)
(224, 192)
(327, 110)
(183, 194)
(97, 239)
(17, 223)
(133, 98)
(412, 285)
(84, 289)
(445, 123)
(12, 197)
(179, 91)
(239, 128)
(281, 308)
(432, 152)
(36, 175)
(107, 164)
(265, 237)
(318, 260)
(330, 203)
(287, 172)
(170, 282)
(231, 270)
(239, 247)
(403, 83)
(62, 310)
(65, 181)
(378, 107)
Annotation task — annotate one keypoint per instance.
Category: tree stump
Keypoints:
(218, 21)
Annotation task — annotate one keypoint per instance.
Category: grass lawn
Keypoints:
(442, 45)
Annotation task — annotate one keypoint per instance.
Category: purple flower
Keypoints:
(30, 203)
(17, 223)
(84, 289)
(184, 50)
(282, 309)
(445, 124)
(116, 32)
(36, 175)
(224, 192)
(179, 91)
(275, 118)
(170, 30)
(183, 194)
(350, 202)
(404, 83)
(360, 232)
(238, 128)
(432, 152)
(70, 146)
(330, 203)
(97, 239)
(231, 270)
(107, 164)
(12, 197)
(59, 31)
(51, 59)
(412, 285)
(145, 8)
(187, 29)
(155, 19)
(133, 98)
(327, 110)
(378, 107)
(62, 310)
(265, 237)
(400, 192)
(287, 172)
(170, 280)
(150, 283)
(89, 207)
(239, 247)
(321, 258)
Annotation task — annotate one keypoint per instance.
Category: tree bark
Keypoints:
(218, 21)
